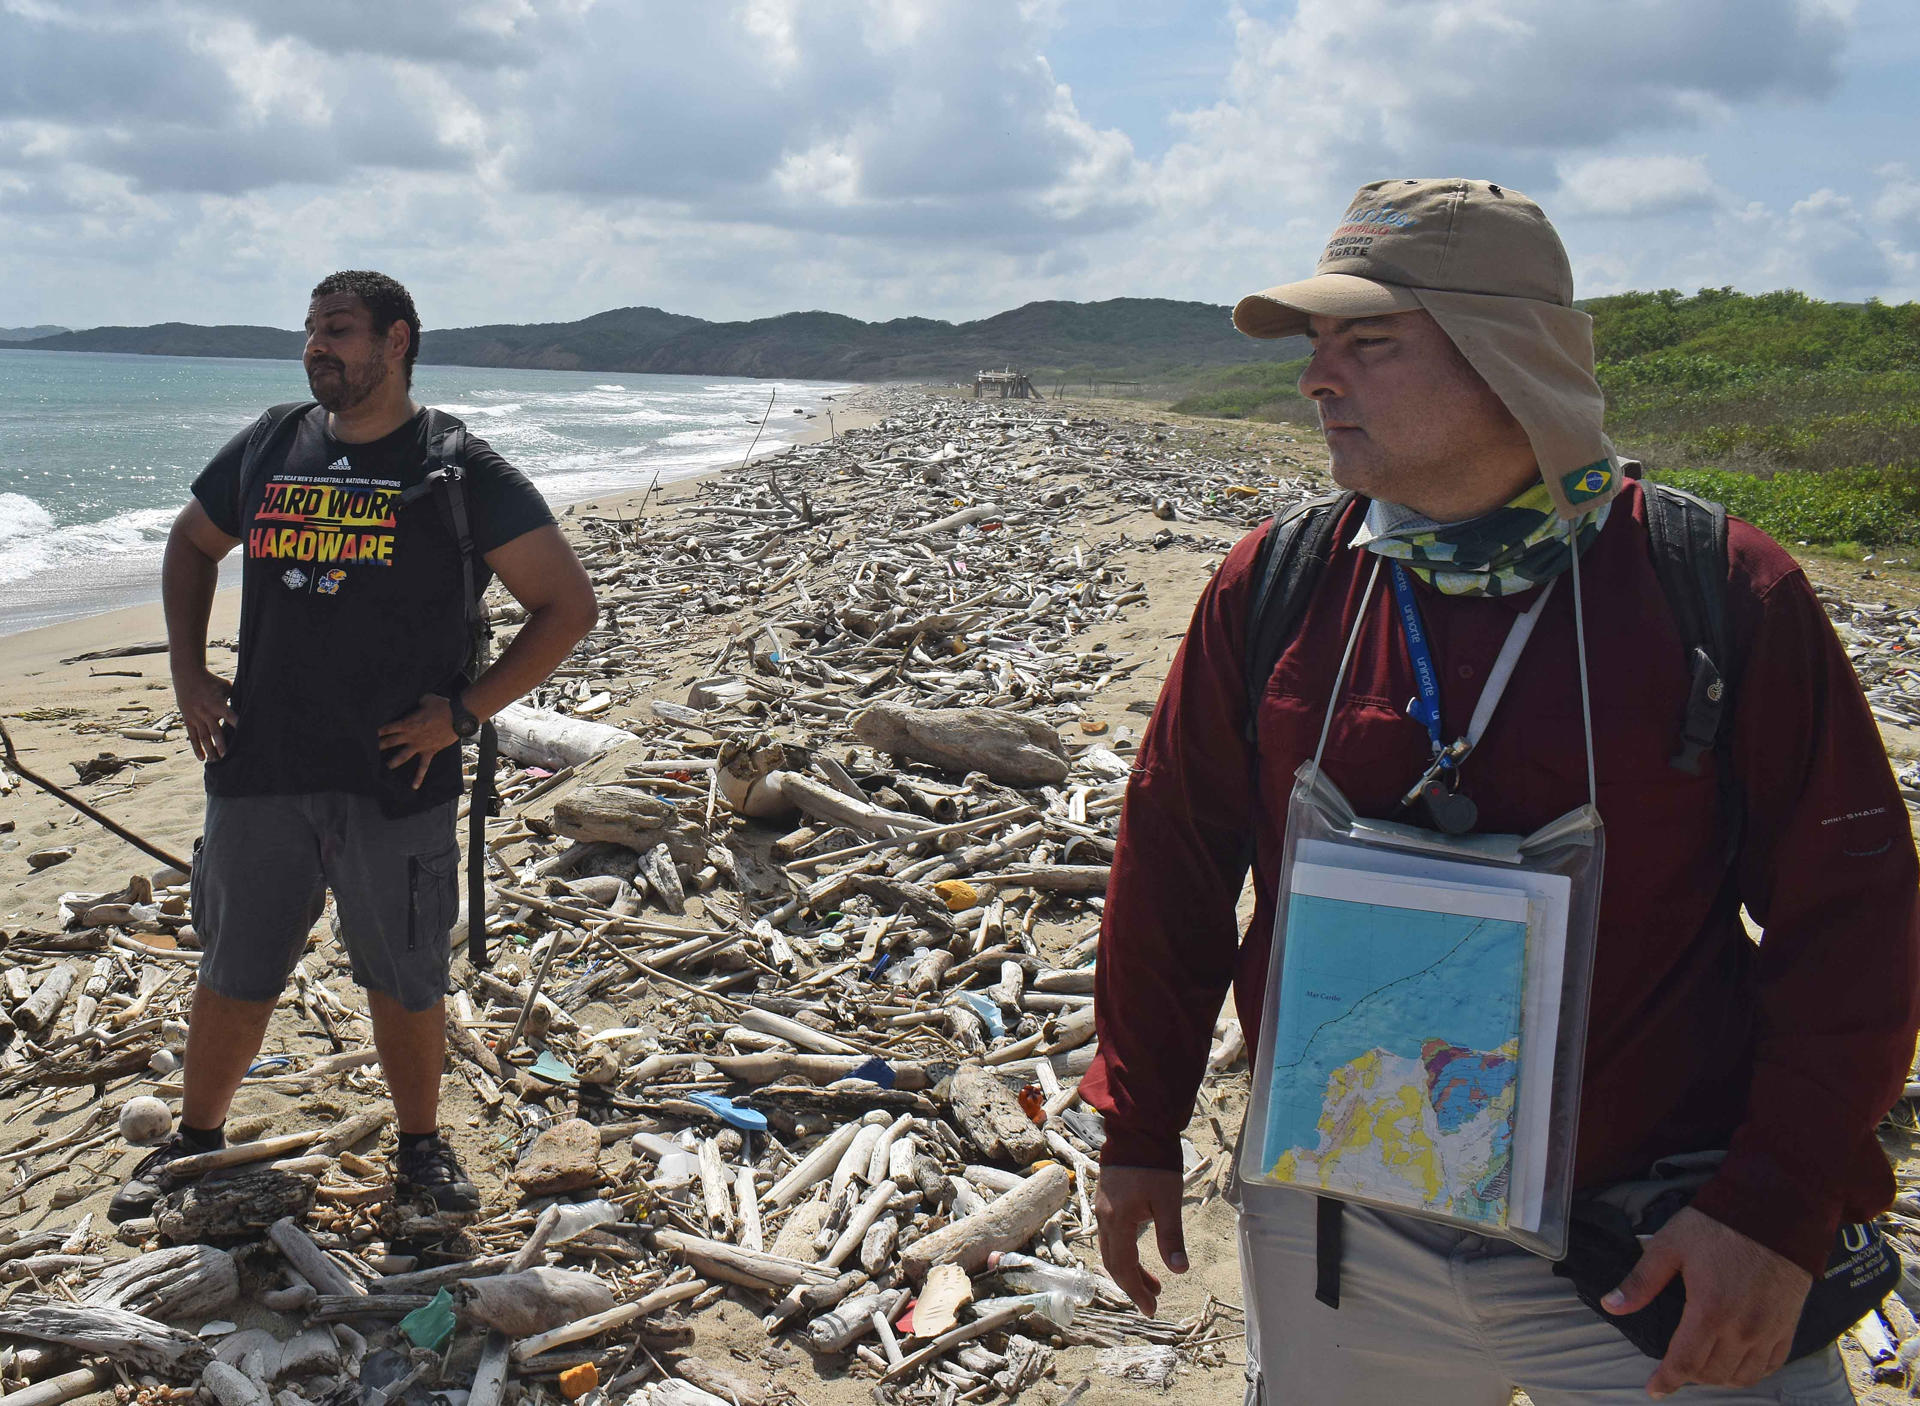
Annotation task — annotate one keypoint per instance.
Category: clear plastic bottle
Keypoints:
(1052, 1304)
(1028, 1275)
(578, 1219)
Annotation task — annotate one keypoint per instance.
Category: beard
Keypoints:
(339, 387)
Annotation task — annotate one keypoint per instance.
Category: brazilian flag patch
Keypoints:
(1591, 482)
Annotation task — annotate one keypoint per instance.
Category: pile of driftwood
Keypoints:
(793, 900)
(791, 996)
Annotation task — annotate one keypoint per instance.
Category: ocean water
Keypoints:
(97, 451)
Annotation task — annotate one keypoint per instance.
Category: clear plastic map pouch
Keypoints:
(1424, 1027)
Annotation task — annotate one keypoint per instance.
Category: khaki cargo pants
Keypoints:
(1431, 1316)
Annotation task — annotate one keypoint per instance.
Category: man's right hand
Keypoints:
(1129, 1198)
(202, 698)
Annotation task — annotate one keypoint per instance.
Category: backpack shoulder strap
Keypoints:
(447, 474)
(1297, 548)
(1688, 539)
(267, 432)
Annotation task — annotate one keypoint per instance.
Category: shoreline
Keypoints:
(116, 600)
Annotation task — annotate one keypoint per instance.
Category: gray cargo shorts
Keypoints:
(260, 881)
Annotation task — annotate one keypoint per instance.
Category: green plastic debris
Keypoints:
(431, 1326)
(553, 1069)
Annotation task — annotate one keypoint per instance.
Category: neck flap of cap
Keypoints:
(1538, 358)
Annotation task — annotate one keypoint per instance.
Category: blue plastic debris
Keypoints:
(874, 1071)
(747, 1120)
(988, 1011)
(553, 1069)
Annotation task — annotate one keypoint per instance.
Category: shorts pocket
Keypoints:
(195, 867)
(433, 894)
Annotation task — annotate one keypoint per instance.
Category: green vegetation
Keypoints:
(1257, 392)
(1802, 417)
(1125, 344)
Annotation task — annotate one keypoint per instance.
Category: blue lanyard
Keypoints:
(1425, 709)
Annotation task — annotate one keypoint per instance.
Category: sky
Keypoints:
(541, 160)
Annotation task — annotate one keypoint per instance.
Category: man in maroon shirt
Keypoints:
(1455, 387)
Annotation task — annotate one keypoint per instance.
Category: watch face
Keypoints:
(465, 724)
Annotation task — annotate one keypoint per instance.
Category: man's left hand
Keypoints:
(425, 731)
(1743, 1303)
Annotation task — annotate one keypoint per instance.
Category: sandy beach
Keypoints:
(63, 713)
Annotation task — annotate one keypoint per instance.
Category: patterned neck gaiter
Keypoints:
(1513, 548)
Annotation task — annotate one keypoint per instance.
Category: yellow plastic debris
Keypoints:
(957, 894)
(1240, 490)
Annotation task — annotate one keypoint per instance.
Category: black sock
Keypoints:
(204, 1139)
(409, 1141)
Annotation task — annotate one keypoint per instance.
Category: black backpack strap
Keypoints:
(267, 433)
(447, 476)
(1687, 537)
(1297, 548)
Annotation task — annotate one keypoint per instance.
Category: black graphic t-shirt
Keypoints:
(350, 604)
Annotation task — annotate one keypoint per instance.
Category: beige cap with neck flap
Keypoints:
(1484, 261)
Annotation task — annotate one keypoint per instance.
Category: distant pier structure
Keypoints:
(1004, 385)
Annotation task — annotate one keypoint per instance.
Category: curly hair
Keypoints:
(385, 298)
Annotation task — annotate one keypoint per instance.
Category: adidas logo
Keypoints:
(340, 463)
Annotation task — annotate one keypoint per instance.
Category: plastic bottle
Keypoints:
(579, 1219)
(1031, 1276)
(1052, 1304)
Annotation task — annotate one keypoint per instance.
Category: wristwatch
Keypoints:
(465, 724)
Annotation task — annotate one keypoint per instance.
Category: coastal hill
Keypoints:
(1119, 339)
(29, 334)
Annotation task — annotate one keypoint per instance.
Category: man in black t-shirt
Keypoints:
(332, 759)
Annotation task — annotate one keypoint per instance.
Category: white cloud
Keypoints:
(519, 159)
(1623, 187)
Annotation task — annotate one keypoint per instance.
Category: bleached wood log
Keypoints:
(864, 1215)
(1052, 878)
(56, 1390)
(773, 1065)
(767, 1023)
(596, 1324)
(534, 1300)
(877, 1159)
(621, 815)
(1007, 1223)
(755, 1269)
(535, 737)
(979, 512)
(1011, 748)
(806, 794)
(236, 1206)
(980, 1327)
(657, 865)
(185, 1281)
(876, 1246)
(814, 1168)
(903, 1158)
(310, 1259)
(230, 1386)
(37, 1012)
(992, 1117)
(713, 1187)
(490, 1377)
(749, 1198)
(127, 1338)
(854, 1163)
